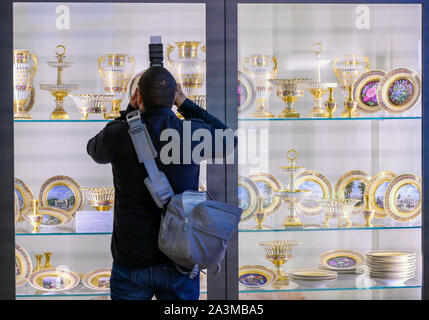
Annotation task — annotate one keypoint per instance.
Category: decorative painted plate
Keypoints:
(132, 85)
(266, 184)
(255, 276)
(24, 194)
(320, 188)
(62, 192)
(403, 198)
(365, 91)
(16, 206)
(246, 92)
(54, 279)
(51, 216)
(352, 185)
(399, 90)
(98, 279)
(341, 260)
(376, 189)
(23, 265)
(248, 194)
(30, 102)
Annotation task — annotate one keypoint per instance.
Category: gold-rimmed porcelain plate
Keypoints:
(376, 190)
(54, 280)
(399, 90)
(403, 198)
(98, 279)
(62, 192)
(313, 274)
(341, 260)
(51, 216)
(320, 188)
(246, 92)
(24, 195)
(365, 91)
(247, 197)
(255, 276)
(266, 184)
(16, 206)
(23, 266)
(352, 185)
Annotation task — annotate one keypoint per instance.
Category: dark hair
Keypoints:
(157, 88)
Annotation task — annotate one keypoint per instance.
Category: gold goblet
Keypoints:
(102, 199)
(278, 252)
(59, 90)
(289, 90)
(347, 70)
(258, 68)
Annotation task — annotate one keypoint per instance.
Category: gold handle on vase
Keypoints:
(276, 66)
(170, 49)
(99, 67)
(36, 64)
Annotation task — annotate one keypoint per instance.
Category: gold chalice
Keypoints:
(347, 70)
(279, 252)
(102, 199)
(259, 69)
(289, 90)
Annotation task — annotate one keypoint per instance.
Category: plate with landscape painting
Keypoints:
(98, 279)
(266, 184)
(399, 90)
(320, 188)
(24, 195)
(54, 279)
(62, 192)
(365, 91)
(376, 189)
(51, 216)
(403, 198)
(23, 266)
(248, 194)
(352, 185)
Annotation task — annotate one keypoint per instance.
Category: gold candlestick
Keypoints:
(38, 262)
(47, 260)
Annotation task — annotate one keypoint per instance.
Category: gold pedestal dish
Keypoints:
(289, 90)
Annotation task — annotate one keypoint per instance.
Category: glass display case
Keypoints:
(72, 76)
(326, 101)
(330, 150)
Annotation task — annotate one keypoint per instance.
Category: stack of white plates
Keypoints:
(391, 267)
(341, 261)
(313, 277)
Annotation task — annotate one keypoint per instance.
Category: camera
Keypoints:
(155, 51)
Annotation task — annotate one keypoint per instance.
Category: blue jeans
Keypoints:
(162, 281)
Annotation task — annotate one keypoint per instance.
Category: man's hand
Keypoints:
(133, 101)
(180, 96)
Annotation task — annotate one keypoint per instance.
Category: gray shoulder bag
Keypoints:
(195, 230)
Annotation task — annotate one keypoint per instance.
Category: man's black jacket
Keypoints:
(136, 216)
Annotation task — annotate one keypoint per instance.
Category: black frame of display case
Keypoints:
(217, 287)
(231, 10)
(222, 180)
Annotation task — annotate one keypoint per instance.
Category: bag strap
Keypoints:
(156, 182)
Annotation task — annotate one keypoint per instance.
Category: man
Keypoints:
(140, 270)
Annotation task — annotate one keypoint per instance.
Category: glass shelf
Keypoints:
(329, 119)
(70, 120)
(344, 282)
(80, 290)
(331, 229)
